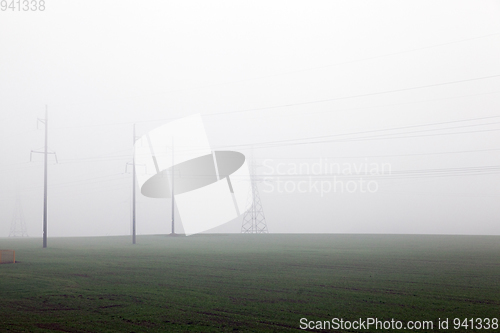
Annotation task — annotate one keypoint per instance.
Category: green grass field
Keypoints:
(247, 283)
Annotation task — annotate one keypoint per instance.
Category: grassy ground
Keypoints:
(248, 283)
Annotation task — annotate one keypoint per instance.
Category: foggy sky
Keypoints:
(414, 85)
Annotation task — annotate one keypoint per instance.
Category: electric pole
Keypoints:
(133, 191)
(134, 177)
(45, 152)
(254, 220)
(173, 200)
(18, 226)
(45, 178)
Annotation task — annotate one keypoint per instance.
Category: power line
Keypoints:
(306, 140)
(384, 105)
(299, 103)
(438, 129)
(357, 96)
(81, 191)
(391, 54)
(307, 69)
(90, 180)
(17, 134)
(406, 174)
(419, 136)
(94, 159)
(390, 129)
(86, 181)
(384, 136)
(270, 145)
(391, 155)
(292, 142)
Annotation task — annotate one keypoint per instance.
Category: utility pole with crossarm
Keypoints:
(45, 152)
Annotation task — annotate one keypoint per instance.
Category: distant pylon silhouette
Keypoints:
(254, 221)
(18, 226)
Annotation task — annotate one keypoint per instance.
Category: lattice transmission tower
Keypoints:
(254, 220)
(18, 225)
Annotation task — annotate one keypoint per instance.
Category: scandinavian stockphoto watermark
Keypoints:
(323, 176)
(374, 324)
(363, 324)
